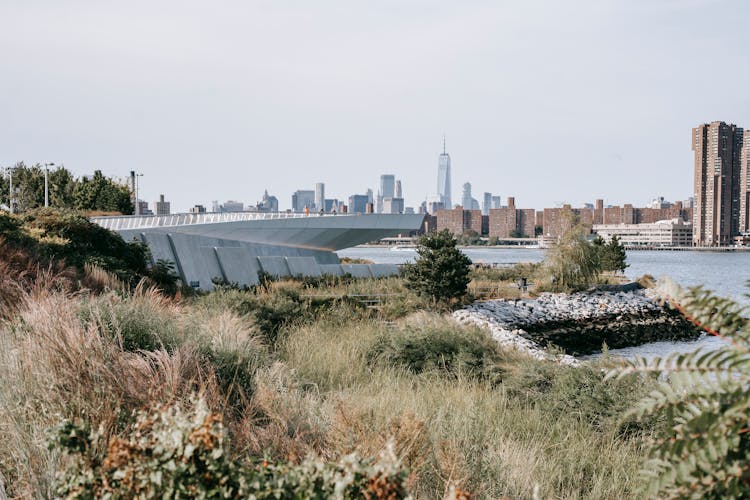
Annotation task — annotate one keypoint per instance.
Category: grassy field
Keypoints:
(303, 369)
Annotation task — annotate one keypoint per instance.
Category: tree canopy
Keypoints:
(97, 193)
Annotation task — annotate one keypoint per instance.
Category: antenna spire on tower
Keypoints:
(443, 143)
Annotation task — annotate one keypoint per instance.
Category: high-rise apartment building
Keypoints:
(444, 178)
(320, 196)
(161, 207)
(720, 197)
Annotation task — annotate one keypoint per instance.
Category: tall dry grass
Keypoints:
(320, 389)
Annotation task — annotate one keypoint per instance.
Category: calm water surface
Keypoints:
(726, 273)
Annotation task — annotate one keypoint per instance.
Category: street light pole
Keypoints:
(46, 183)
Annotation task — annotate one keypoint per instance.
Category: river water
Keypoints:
(726, 273)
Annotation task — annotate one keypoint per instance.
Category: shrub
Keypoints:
(182, 453)
(440, 271)
(426, 343)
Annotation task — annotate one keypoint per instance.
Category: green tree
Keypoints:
(440, 271)
(704, 397)
(612, 256)
(573, 263)
(102, 193)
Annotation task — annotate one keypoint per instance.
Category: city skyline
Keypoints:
(535, 99)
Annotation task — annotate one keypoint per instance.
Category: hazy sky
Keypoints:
(547, 101)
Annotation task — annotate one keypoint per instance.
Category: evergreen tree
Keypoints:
(704, 397)
(612, 256)
(441, 270)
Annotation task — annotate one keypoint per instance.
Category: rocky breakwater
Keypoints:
(579, 323)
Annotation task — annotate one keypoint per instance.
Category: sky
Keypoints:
(549, 101)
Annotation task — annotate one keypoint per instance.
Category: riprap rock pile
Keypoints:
(579, 323)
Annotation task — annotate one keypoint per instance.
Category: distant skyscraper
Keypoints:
(466, 197)
(444, 178)
(268, 203)
(303, 198)
(721, 200)
(399, 194)
(486, 203)
(358, 203)
(320, 196)
(497, 202)
(370, 196)
(393, 205)
(387, 186)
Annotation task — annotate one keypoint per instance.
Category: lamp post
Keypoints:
(137, 205)
(46, 183)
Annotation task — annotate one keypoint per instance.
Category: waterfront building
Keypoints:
(196, 209)
(444, 178)
(320, 196)
(509, 221)
(161, 207)
(459, 221)
(302, 199)
(665, 233)
(719, 196)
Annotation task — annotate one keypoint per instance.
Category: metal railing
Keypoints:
(121, 222)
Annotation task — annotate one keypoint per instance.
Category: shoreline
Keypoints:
(527, 247)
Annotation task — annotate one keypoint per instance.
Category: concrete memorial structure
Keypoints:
(237, 246)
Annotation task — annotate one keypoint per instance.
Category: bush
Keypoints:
(426, 343)
(440, 271)
(179, 453)
(72, 238)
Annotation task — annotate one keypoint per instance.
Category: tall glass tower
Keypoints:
(444, 178)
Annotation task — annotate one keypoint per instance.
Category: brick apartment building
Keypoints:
(555, 221)
(459, 221)
(509, 221)
(721, 191)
